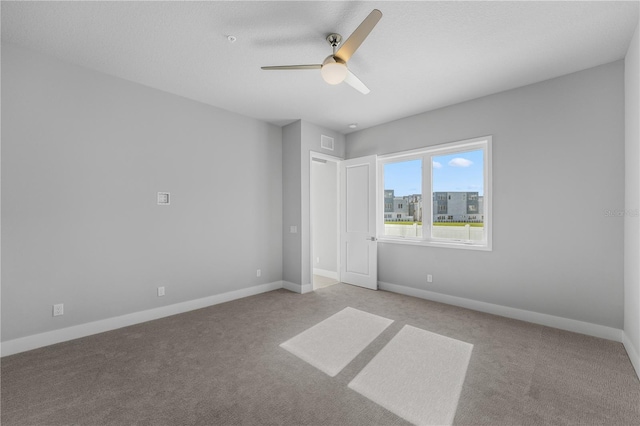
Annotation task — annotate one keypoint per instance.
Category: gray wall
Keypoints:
(632, 198)
(291, 204)
(83, 156)
(324, 214)
(558, 146)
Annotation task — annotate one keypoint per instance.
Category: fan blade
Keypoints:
(355, 40)
(294, 67)
(355, 82)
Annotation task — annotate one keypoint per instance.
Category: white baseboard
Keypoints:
(296, 288)
(633, 354)
(35, 341)
(325, 273)
(575, 326)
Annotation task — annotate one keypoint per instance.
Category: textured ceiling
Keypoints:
(420, 56)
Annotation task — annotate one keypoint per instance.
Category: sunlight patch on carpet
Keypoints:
(418, 376)
(333, 343)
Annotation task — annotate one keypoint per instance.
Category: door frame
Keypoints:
(337, 161)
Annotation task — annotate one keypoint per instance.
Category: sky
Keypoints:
(451, 173)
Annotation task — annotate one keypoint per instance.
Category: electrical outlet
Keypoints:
(429, 278)
(317, 260)
(163, 198)
(160, 291)
(58, 310)
(258, 273)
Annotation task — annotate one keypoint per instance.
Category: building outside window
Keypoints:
(452, 181)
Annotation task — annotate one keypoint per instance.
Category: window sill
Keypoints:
(430, 243)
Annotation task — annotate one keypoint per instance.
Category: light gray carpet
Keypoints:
(319, 282)
(222, 365)
(418, 375)
(334, 342)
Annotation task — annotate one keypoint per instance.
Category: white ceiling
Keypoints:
(420, 56)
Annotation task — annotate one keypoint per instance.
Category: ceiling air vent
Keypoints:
(326, 142)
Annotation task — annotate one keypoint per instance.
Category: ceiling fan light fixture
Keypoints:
(334, 68)
(333, 72)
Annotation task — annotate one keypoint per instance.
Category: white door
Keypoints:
(358, 246)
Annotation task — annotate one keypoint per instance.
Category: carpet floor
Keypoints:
(418, 375)
(222, 365)
(333, 343)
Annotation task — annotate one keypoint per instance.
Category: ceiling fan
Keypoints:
(334, 68)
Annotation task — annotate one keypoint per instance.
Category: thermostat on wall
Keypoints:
(163, 198)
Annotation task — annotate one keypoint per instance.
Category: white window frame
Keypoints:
(426, 155)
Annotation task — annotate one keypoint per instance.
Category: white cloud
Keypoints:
(460, 162)
(437, 165)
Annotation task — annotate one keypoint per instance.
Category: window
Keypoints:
(450, 183)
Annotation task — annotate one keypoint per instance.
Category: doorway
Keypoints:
(324, 191)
